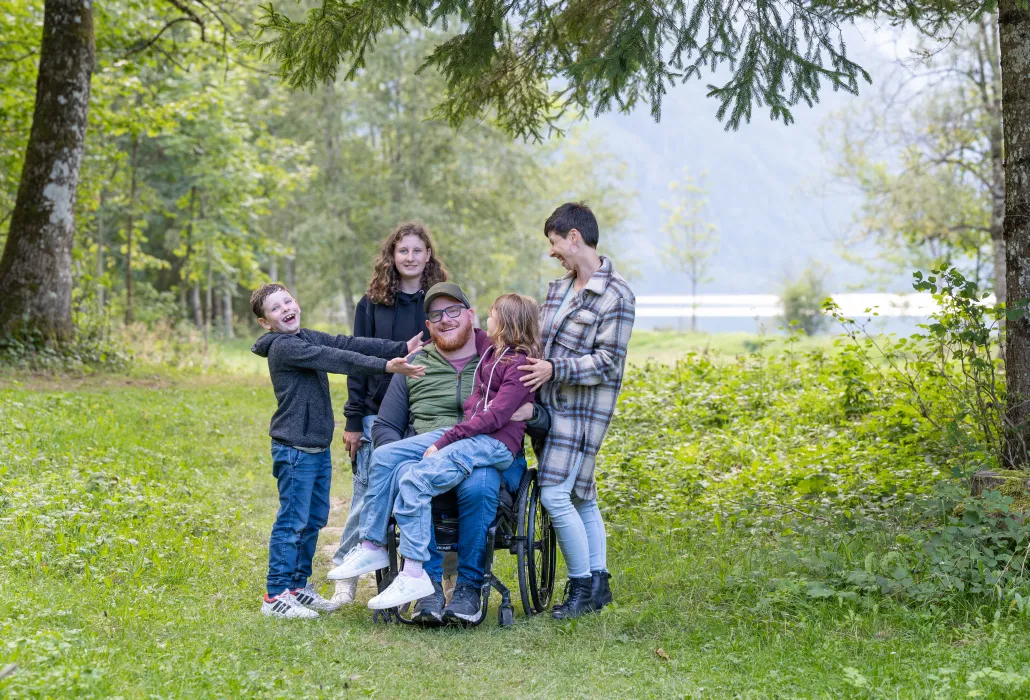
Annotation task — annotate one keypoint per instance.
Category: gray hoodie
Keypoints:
(298, 365)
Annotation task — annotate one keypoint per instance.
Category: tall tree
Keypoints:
(1014, 28)
(690, 240)
(36, 267)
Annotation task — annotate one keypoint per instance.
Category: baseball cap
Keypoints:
(445, 289)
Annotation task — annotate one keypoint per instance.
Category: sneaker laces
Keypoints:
(465, 593)
(311, 593)
(290, 599)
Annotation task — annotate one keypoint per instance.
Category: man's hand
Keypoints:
(524, 413)
(429, 450)
(415, 344)
(399, 365)
(353, 442)
(539, 373)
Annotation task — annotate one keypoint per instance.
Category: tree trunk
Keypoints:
(693, 302)
(1014, 26)
(208, 301)
(291, 274)
(198, 309)
(347, 283)
(997, 225)
(36, 267)
(130, 291)
(273, 270)
(99, 271)
(227, 308)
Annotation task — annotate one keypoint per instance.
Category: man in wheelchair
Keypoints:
(412, 416)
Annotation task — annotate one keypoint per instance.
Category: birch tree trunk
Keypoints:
(1014, 27)
(227, 308)
(36, 267)
(130, 290)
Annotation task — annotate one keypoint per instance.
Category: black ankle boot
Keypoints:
(578, 600)
(600, 590)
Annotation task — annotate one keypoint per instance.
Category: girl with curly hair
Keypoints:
(392, 308)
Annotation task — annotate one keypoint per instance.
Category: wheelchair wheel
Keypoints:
(537, 548)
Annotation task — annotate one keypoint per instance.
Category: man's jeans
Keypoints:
(477, 504)
(349, 536)
(436, 475)
(303, 481)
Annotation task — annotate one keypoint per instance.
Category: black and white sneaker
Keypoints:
(285, 605)
(311, 599)
(430, 608)
(465, 604)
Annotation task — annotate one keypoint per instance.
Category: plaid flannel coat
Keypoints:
(587, 346)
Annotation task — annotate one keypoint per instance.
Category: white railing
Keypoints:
(769, 306)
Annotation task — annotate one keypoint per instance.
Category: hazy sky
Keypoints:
(762, 180)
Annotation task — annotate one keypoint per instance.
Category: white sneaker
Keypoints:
(404, 589)
(311, 599)
(285, 605)
(345, 591)
(360, 561)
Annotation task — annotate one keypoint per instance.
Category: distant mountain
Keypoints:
(760, 181)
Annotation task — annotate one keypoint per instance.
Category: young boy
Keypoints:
(301, 432)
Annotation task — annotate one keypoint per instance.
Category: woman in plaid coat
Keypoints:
(585, 327)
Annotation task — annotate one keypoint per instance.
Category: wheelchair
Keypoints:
(521, 526)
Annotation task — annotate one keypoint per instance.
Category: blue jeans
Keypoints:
(578, 526)
(303, 480)
(349, 536)
(477, 504)
(436, 475)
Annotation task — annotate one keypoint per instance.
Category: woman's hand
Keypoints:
(415, 344)
(399, 365)
(539, 372)
(353, 442)
(429, 450)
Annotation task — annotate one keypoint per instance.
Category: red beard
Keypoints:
(453, 343)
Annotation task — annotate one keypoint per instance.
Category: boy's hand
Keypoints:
(353, 442)
(415, 344)
(399, 365)
(429, 450)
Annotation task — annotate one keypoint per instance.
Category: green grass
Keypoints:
(134, 516)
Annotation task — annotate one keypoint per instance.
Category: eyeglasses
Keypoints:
(451, 311)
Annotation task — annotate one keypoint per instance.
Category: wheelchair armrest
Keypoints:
(538, 426)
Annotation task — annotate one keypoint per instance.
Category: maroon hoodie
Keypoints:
(488, 409)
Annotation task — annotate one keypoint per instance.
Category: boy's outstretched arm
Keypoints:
(376, 347)
(294, 350)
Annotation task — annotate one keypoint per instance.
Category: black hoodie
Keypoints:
(298, 365)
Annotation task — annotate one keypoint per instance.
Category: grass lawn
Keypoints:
(134, 515)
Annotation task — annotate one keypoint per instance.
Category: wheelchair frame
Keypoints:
(522, 527)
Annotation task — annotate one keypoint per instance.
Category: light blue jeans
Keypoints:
(435, 475)
(349, 536)
(477, 503)
(577, 524)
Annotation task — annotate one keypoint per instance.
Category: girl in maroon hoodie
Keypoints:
(487, 437)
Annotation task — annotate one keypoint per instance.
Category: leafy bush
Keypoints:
(802, 301)
(850, 465)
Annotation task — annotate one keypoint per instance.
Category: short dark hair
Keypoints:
(257, 299)
(573, 215)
